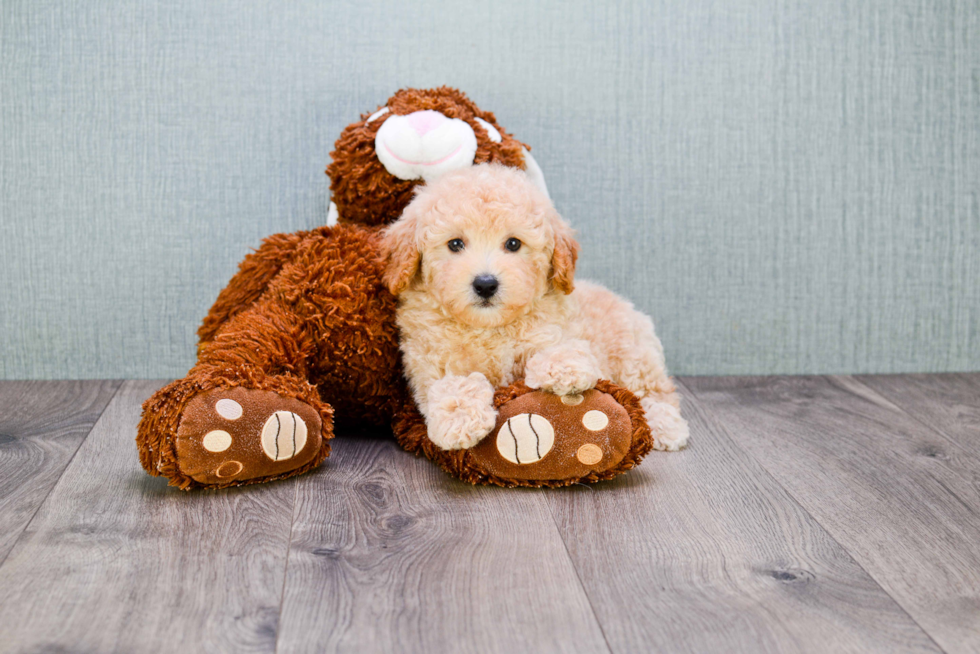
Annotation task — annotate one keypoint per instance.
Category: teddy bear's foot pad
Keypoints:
(228, 436)
(544, 437)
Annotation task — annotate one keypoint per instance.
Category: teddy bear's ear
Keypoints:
(534, 172)
(400, 253)
(564, 257)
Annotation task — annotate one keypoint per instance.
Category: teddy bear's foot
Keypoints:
(542, 439)
(237, 435)
(548, 438)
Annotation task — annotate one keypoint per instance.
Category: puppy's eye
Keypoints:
(456, 245)
(513, 244)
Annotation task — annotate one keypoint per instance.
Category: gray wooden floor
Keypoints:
(808, 514)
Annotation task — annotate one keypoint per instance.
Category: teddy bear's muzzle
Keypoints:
(424, 145)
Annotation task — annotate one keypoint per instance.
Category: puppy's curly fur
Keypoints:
(458, 343)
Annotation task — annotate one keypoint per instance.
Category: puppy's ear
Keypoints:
(400, 252)
(564, 257)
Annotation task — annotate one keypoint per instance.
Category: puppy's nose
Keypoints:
(485, 286)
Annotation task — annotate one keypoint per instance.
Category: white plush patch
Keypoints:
(595, 420)
(534, 173)
(333, 216)
(216, 441)
(228, 409)
(525, 438)
(492, 132)
(572, 400)
(377, 114)
(283, 435)
(424, 147)
(589, 454)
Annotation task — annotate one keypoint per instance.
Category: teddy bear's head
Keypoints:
(419, 135)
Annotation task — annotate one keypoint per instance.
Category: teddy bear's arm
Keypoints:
(249, 283)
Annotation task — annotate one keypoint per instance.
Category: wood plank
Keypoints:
(870, 474)
(389, 554)
(42, 423)
(117, 561)
(701, 551)
(949, 403)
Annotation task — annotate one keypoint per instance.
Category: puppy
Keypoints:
(483, 266)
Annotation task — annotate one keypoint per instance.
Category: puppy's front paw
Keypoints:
(461, 411)
(564, 369)
(669, 429)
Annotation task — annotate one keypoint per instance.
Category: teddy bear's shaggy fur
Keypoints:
(305, 334)
(461, 338)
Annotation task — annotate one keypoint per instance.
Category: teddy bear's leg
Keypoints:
(255, 273)
(542, 439)
(245, 413)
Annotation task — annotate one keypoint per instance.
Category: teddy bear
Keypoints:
(302, 343)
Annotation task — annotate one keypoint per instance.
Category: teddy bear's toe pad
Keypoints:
(231, 435)
(541, 436)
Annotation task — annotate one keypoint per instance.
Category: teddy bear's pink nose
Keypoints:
(425, 121)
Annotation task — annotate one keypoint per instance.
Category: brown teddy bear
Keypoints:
(303, 338)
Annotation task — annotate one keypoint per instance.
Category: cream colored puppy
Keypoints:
(483, 266)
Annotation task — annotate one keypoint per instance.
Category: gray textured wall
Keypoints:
(786, 186)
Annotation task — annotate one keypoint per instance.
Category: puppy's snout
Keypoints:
(486, 286)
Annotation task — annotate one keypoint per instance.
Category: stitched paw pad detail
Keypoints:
(525, 438)
(283, 435)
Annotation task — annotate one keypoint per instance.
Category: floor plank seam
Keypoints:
(724, 432)
(933, 428)
(948, 439)
(285, 574)
(27, 525)
(578, 577)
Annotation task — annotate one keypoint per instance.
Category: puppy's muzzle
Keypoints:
(486, 286)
